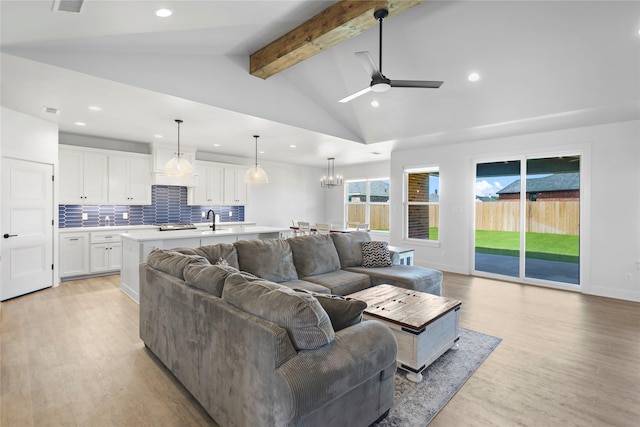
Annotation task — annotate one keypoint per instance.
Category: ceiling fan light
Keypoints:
(380, 87)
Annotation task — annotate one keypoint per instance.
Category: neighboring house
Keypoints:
(379, 191)
(559, 186)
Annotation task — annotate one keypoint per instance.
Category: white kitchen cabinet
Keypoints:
(210, 185)
(235, 189)
(129, 180)
(74, 254)
(83, 177)
(106, 252)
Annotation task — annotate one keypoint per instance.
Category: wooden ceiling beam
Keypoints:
(335, 24)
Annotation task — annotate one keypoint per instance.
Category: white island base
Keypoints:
(136, 246)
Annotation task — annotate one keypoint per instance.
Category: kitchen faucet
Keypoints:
(213, 220)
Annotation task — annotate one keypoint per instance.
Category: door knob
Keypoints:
(7, 235)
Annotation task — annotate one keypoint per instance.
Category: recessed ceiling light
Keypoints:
(80, 124)
(163, 13)
(94, 108)
(216, 145)
(157, 136)
(292, 146)
(261, 152)
(375, 104)
(474, 77)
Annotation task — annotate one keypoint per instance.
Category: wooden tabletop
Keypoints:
(405, 307)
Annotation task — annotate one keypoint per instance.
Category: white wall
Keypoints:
(610, 193)
(29, 138)
(293, 193)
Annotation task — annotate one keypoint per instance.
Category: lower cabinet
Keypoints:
(74, 254)
(106, 252)
(106, 257)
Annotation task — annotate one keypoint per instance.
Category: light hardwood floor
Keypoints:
(71, 356)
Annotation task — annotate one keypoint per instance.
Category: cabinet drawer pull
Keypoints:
(73, 240)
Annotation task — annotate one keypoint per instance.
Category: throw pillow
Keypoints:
(172, 262)
(375, 254)
(342, 311)
(302, 316)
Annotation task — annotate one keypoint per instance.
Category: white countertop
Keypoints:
(147, 235)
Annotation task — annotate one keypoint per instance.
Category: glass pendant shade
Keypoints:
(255, 175)
(178, 166)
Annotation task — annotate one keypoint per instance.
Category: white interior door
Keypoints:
(27, 227)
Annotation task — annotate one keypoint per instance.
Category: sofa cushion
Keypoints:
(375, 254)
(301, 314)
(405, 276)
(341, 282)
(270, 259)
(172, 262)
(349, 247)
(314, 254)
(210, 278)
(342, 311)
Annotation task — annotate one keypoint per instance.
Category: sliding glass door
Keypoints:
(527, 219)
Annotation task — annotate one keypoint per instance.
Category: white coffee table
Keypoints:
(425, 325)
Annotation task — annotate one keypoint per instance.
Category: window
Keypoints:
(368, 202)
(422, 186)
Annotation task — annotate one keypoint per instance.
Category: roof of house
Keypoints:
(555, 182)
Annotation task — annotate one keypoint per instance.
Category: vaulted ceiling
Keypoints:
(542, 66)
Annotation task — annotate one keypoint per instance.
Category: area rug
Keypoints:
(416, 404)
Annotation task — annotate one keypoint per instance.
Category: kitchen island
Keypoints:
(137, 245)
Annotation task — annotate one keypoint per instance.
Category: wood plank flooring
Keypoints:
(71, 356)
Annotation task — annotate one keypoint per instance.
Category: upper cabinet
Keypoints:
(129, 179)
(210, 185)
(235, 189)
(218, 184)
(90, 176)
(83, 177)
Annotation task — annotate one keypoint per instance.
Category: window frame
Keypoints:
(406, 204)
(367, 203)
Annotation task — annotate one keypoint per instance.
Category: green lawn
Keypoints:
(538, 245)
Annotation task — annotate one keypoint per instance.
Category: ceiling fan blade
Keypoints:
(368, 64)
(416, 83)
(355, 95)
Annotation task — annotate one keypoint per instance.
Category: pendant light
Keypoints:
(255, 175)
(331, 180)
(178, 166)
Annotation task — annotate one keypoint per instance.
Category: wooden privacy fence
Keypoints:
(378, 215)
(554, 217)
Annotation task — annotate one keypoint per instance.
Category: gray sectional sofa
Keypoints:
(255, 332)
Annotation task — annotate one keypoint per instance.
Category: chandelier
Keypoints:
(330, 180)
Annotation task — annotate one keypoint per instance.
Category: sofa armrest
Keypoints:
(314, 377)
(395, 257)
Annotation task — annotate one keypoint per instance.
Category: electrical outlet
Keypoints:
(202, 214)
(629, 277)
(85, 216)
(230, 213)
(125, 215)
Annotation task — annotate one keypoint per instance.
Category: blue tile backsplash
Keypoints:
(168, 205)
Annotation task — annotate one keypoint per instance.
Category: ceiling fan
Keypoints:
(380, 83)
